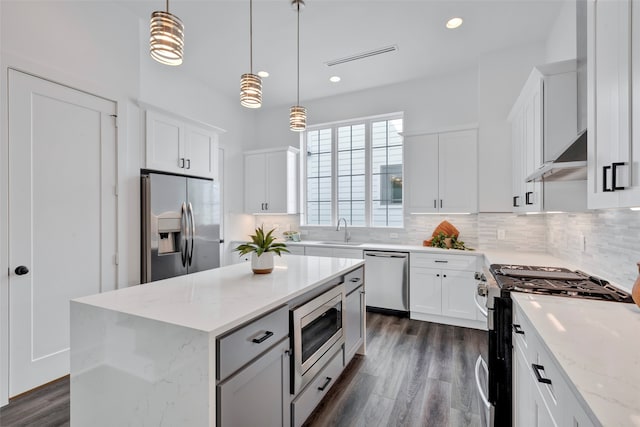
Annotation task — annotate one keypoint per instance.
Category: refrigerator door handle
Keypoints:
(192, 220)
(184, 242)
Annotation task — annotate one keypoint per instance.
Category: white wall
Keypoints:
(428, 104)
(78, 44)
(561, 43)
(501, 75)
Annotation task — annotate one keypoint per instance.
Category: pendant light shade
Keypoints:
(297, 118)
(251, 91)
(251, 84)
(297, 113)
(166, 43)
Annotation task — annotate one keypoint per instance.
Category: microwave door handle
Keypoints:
(184, 243)
(192, 220)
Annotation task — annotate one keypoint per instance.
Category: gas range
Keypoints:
(555, 281)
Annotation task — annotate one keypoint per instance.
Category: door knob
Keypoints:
(21, 270)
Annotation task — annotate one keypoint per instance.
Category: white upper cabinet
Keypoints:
(543, 124)
(441, 172)
(181, 146)
(526, 133)
(271, 181)
(613, 70)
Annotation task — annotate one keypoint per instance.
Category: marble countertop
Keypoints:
(597, 345)
(218, 300)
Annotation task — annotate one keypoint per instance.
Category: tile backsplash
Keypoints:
(604, 242)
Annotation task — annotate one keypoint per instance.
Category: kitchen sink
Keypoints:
(341, 243)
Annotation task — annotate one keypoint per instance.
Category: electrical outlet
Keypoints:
(393, 235)
(502, 234)
(304, 232)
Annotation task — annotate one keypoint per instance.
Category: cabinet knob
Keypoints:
(21, 270)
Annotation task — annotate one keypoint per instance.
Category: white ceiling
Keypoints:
(217, 40)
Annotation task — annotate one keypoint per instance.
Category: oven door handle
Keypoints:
(482, 309)
(489, 407)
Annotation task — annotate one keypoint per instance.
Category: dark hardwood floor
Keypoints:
(45, 406)
(415, 374)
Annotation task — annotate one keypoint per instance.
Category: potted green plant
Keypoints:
(263, 247)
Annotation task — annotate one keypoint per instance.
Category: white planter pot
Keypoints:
(262, 264)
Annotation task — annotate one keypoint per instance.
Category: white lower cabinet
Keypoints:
(541, 395)
(308, 399)
(355, 323)
(442, 289)
(333, 252)
(258, 395)
(425, 294)
(295, 250)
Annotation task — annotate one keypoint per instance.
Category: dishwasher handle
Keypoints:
(386, 255)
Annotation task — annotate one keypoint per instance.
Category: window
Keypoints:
(354, 171)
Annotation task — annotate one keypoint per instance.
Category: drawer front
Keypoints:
(347, 253)
(295, 250)
(553, 393)
(318, 251)
(445, 262)
(241, 346)
(354, 279)
(309, 398)
(523, 334)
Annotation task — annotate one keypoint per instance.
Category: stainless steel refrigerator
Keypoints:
(180, 225)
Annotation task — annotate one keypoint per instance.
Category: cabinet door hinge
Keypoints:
(116, 259)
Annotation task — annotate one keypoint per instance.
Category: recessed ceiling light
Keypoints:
(454, 23)
(334, 79)
(263, 74)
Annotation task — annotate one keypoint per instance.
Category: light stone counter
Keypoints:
(146, 355)
(597, 345)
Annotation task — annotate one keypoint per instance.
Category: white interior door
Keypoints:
(62, 219)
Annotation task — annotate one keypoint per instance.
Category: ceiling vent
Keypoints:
(362, 55)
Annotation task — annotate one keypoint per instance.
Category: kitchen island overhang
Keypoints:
(146, 355)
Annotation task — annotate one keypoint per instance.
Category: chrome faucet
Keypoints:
(347, 236)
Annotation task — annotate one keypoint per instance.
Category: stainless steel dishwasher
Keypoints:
(387, 278)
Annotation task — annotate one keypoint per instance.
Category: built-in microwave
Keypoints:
(317, 334)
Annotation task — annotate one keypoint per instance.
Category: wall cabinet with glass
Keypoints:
(178, 145)
(441, 172)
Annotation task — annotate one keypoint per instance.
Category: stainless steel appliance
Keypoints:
(497, 287)
(180, 225)
(317, 331)
(387, 280)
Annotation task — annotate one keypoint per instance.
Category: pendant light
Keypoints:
(251, 84)
(297, 113)
(166, 43)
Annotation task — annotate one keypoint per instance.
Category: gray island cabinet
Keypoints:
(210, 348)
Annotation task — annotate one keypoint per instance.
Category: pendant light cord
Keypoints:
(250, 36)
(167, 6)
(298, 94)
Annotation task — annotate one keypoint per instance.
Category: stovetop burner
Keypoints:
(555, 281)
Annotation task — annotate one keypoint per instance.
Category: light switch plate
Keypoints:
(502, 234)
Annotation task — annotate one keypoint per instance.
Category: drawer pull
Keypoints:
(263, 338)
(326, 383)
(355, 279)
(441, 261)
(540, 378)
(517, 329)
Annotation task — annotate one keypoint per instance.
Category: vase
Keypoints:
(635, 292)
(262, 264)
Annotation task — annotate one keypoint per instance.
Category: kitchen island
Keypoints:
(146, 355)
